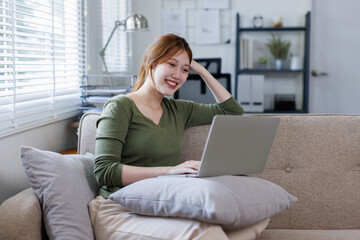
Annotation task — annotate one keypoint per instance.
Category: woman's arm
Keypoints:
(131, 174)
(219, 92)
(109, 170)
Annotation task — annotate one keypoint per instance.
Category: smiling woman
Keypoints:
(161, 50)
(173, 72)
(139, 135)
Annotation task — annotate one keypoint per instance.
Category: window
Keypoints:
(41, 62)
(117, 55)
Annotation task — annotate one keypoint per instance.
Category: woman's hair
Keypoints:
(159, 51)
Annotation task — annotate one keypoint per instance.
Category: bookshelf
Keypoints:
(242, 70)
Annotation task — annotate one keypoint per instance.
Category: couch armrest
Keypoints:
(20, 217)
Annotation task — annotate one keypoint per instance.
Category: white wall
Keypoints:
(56, 136)
(292, 12)
(94, 37)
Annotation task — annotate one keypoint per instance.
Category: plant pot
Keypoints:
(278, 64)
(261, 65)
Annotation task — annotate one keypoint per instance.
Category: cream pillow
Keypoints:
(110, 220)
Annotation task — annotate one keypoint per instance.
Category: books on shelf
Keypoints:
(245, 48)
(250, 51)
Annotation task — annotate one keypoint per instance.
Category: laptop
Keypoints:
(236, 145)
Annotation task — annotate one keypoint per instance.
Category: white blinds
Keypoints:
(42, 58)
(117, 55)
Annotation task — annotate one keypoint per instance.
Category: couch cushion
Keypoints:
(276, 234)
(87, 133)
(194, 140)
(64, 184)
(316, 158)
(20, 217)
(231, 201)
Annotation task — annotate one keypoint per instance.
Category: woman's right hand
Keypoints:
(188, 167)
(131, 174)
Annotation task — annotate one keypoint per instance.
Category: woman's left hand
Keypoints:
(218, 91)
(196, 67)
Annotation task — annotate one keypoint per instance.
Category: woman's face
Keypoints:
(172, 74)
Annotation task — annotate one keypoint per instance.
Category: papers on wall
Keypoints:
(251, 92)
(219, 4)
(174, 21)
(207, 27)
(182, 17)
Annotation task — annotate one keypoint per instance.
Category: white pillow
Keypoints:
(231, 201)
(64, 184)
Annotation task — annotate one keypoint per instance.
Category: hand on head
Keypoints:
(196, 67)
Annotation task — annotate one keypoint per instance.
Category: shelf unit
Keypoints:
(304, 71)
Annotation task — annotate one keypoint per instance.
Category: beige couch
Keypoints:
(315, 158)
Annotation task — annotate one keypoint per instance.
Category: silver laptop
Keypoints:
(237, 145)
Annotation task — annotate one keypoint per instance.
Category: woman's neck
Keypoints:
(148, 95)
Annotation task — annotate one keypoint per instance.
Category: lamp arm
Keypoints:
(117, 24)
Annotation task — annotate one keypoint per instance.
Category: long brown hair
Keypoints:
(159, 51)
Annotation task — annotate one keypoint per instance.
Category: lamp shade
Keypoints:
(136, 22)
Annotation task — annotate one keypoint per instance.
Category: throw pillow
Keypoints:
(64, 184)
(230, 201)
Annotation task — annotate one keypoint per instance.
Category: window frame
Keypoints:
(20, 74)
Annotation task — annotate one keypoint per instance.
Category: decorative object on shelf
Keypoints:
(278, 64)
(295, 63)
(277, 21)
(134, 22)
(279, 50)
(258, 21)
(262, 63)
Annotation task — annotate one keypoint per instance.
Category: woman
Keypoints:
(139, 135)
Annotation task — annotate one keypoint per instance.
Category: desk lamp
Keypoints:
(134, 22)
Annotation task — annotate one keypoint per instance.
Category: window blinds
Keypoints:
(41, 62)
(117, 55)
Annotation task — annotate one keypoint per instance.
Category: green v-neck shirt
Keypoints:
(126, 136)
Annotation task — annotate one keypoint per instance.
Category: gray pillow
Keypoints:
(64, 184)
(230, 201)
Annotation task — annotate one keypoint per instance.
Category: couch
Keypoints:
(314, 157)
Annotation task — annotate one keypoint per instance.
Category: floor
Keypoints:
(70, 151)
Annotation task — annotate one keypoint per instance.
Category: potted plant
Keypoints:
(262, 62)
(279, 49)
